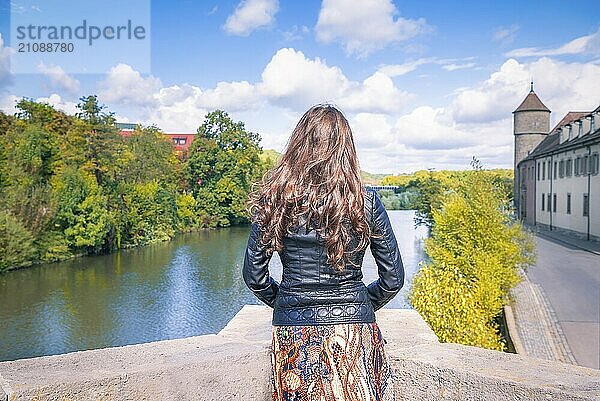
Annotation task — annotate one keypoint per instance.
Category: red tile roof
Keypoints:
(532, 103)
(569, 118)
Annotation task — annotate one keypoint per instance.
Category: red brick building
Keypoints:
(181, 142)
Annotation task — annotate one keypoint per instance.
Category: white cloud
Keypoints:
(213, 10)
(182, 108)
(506, 35)
(363, 26)
(5, 54)
(395, 70)
(59, 79)
(296, 33)
(292, 80)
(250, 15)
(476, 122)
(561, 86)
(431, 128)
(429, 137)
(7, 104)
(59, 103)
(582, 45)
(124, 85)
(454, 67)
(371, 131)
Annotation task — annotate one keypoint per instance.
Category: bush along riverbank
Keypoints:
(73, 186)
(476, 252)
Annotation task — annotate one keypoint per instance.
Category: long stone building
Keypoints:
(557, 185)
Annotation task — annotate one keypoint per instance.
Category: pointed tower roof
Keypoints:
(532, 103)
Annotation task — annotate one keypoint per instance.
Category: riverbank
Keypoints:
(126, 247)
(189, 286)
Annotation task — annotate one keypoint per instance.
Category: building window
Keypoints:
(549, 200)
(538, 171)
(585, 166)
(569, 167)
(555, 168)
(554, 203)
(561, 169)
(595, 164)
(543, 201)
(577, 161)
(543, 170)
(568, 203)
(586, 204)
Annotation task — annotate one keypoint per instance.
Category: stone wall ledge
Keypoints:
(235, 364)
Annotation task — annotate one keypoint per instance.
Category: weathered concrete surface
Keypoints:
(3, 396)
(202, 367)
(235, 364)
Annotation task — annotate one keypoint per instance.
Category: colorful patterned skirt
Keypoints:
(341, 362)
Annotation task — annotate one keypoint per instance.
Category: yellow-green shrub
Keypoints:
(475, 252)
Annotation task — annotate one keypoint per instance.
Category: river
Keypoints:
(189, 286)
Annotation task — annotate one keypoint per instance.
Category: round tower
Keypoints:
(531, 122)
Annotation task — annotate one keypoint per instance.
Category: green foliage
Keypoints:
(151, 213)
(16, 243)
(222, 164)
(398, 201)
(476, 252)
(72, 185)
(425, 190)
(147, 155)
(186, 211)
(81, 214)
(372, 179)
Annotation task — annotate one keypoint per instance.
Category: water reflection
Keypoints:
(189, 286)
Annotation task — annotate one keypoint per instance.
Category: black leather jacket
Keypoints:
(311, 291)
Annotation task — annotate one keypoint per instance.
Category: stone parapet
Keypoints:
(235, 365)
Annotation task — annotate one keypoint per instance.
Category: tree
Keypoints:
(476, 252)
(148, 155)
(16, 243)
(103, 142)
(223, 162)
(82, 214)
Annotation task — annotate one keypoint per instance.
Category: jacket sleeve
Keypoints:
(256, 269)
(384, 248)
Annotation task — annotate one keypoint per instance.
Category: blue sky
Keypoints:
(423, 84)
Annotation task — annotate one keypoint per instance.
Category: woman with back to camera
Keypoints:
(313, 210)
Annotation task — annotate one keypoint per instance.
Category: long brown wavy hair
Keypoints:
(317, 178)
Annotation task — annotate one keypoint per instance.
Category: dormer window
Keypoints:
(570, 131)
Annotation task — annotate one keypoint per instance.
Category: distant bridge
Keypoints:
(382, 187)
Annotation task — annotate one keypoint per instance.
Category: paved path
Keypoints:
(565, 285)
